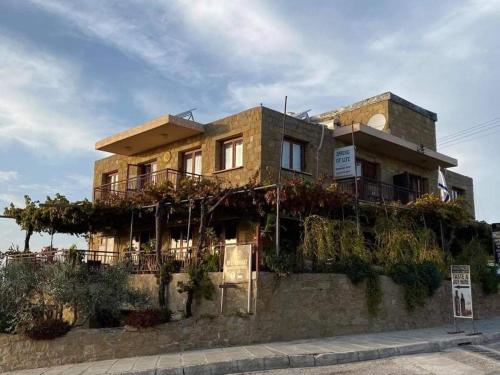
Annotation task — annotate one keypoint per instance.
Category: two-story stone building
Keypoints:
(395, 150)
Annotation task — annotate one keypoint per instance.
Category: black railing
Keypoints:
(132, 185)
(139, 261)
(377, 191)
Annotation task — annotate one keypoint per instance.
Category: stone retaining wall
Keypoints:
(299, 306)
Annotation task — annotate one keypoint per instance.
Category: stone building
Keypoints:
(395, 144)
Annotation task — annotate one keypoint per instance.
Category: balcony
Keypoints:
(377, 191)
(129, 187)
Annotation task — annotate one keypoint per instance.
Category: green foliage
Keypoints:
(356, 269)
(400, 240)
(47, 329)
(373, 293)
(359, 270)
(211, 261)
(198, 285)
(475, 255)
(148, 318)
(331, 241)
(489, 281)
(420, 281)
(169, 267)
(31, 295)
(282, 264)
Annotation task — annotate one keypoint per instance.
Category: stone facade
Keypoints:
(260, 129)
(463, 186)
(297, 307)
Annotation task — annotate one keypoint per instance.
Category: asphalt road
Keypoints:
(467, 360)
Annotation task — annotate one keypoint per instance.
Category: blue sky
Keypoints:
(72, 72)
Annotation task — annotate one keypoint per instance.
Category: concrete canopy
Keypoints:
(160, 131)
(392, 146)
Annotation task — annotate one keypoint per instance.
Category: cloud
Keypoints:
(44, 109)
(11, 198)
(136, 31)
(7, 176)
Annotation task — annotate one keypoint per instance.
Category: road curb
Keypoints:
(280, 360)
(321, 359)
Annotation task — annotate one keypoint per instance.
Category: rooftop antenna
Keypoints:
(303, 115)
(188, 115)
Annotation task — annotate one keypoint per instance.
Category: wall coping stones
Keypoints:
(375, 99)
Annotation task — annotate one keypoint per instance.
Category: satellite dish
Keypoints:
(377, 121)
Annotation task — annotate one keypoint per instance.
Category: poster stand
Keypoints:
(461, 291)
(237, 271)
(457, 330)
(474, 331)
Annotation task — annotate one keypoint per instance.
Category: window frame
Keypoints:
(233, 142)
(192, 153)
(107, 181)
(302, 144)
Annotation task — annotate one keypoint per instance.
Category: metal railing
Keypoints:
(377, 191)
(91, 257)
(140, 261)
(132, 185)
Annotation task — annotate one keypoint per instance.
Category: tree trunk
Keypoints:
(159, 216)
(189, 303)
(29, 232)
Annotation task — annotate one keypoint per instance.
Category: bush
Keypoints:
(489, 281)
(477, 257)
(282, 264)
(47, 329)
(148, 318)
(356, 269)
(420, 281)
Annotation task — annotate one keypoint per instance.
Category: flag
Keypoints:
(443, 188)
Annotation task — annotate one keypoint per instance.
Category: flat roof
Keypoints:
(160, 131)
(375, 99)
(390, 145)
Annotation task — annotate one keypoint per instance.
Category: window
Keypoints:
(147, 173)
(293, 155)
(456, 193)
(110, 181)
(232, 153)
(192, 162)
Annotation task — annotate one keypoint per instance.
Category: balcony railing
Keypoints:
(132, 185)
(377, 191)
(140, 262)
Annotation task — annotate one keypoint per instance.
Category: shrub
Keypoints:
(46, 329)
(282, 264)
(329, 241)
(477, 257)
(148, 318)
(359, 270)
(489, 281)
(356, 269)
(420, 281)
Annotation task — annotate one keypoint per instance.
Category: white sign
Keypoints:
(344, 162)
(237, 262)
(461, 289)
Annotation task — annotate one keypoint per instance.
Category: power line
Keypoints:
(465, 140)
(474, 127)
(466, 135)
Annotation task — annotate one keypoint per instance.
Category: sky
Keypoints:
(73, 72)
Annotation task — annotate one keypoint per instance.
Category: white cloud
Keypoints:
(44, 109)
(7, 199)
(7, 176)
(134, 33)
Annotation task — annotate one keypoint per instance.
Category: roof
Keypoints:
(162, 130)
(390, 145)
(379, 98)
